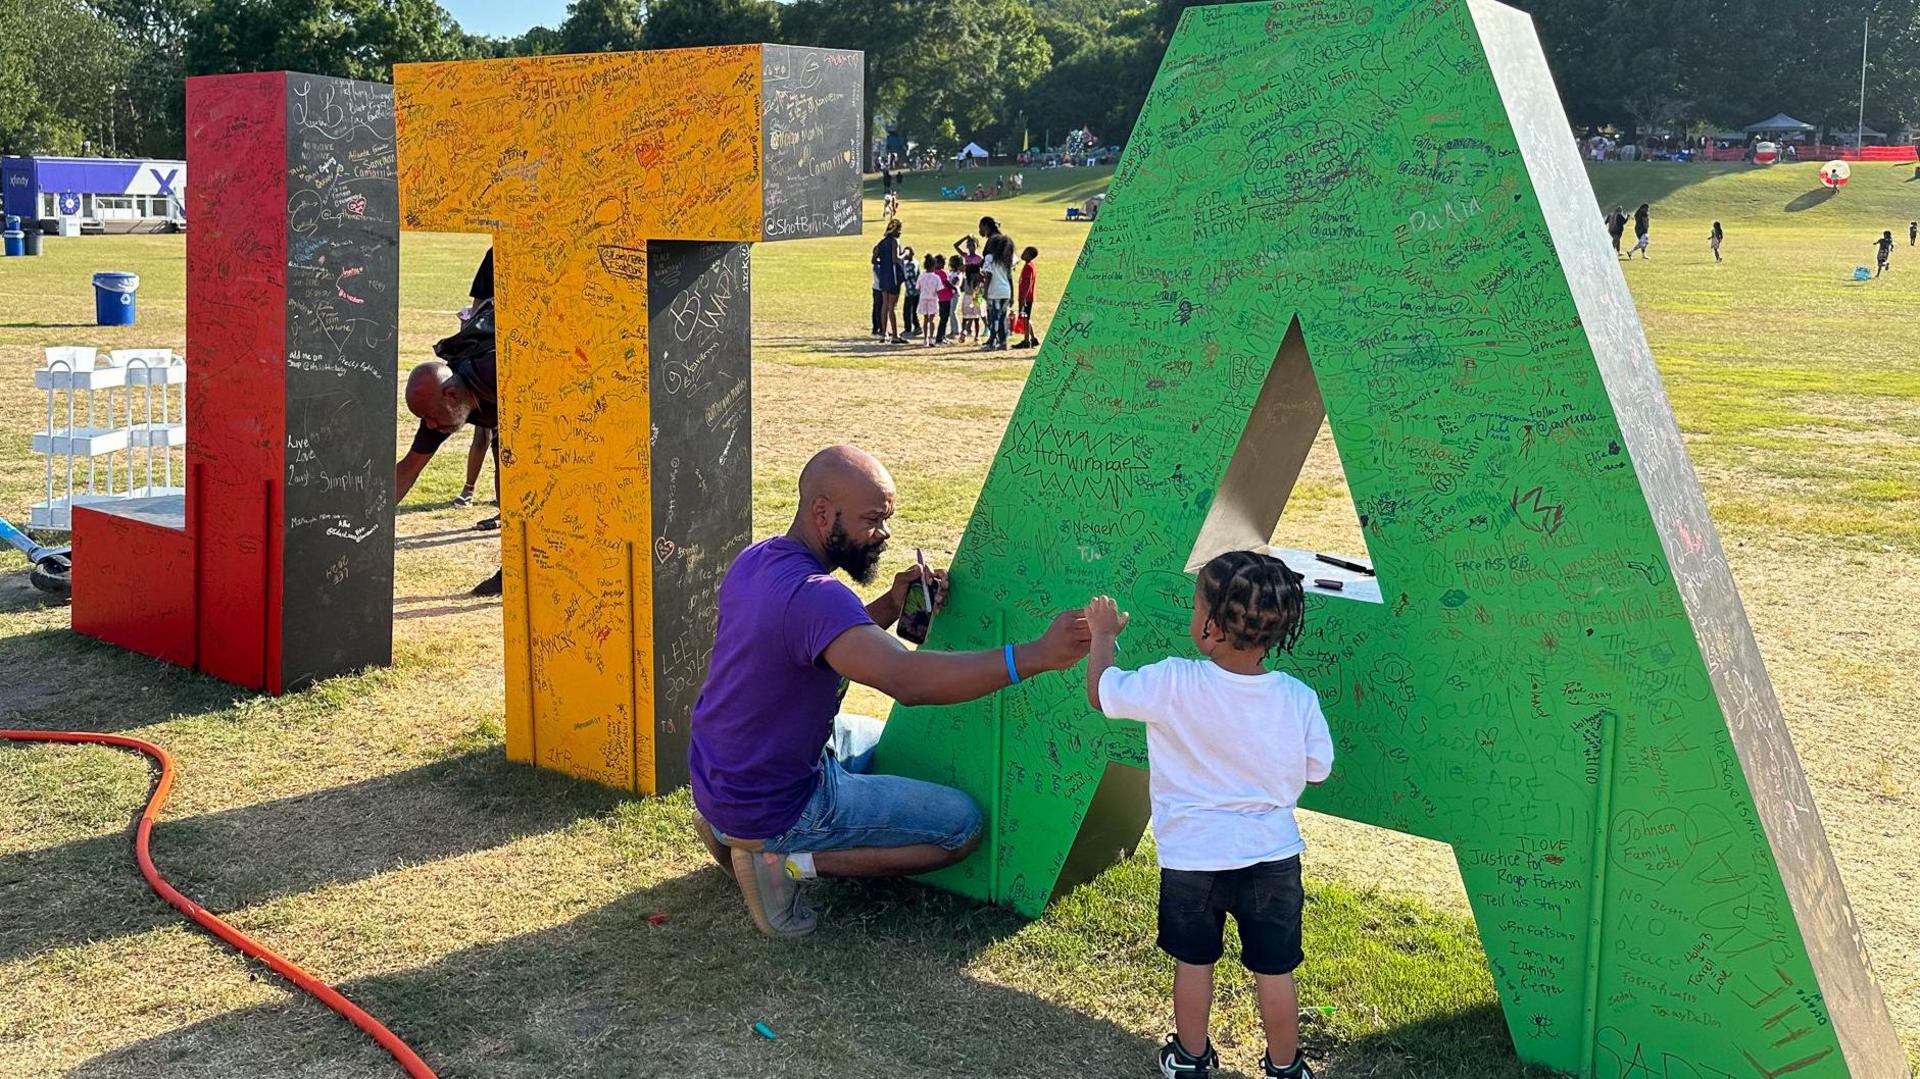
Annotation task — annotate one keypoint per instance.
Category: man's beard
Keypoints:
(859, 561)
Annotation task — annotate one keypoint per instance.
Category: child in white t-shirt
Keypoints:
(1230, 747)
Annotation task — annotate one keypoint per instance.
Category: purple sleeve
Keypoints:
(819, 613)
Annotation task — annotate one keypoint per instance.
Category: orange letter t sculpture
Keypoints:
(622, 190)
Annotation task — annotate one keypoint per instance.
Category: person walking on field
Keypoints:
(1616, 227)
(1884, 246)
(1640, 227)
(1714, 240)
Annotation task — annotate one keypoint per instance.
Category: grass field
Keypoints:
(498, 918)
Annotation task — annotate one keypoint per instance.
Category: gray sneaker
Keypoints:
(773, 898)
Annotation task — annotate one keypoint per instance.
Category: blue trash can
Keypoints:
(14, 241)
(113, 298)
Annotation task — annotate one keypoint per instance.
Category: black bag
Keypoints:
(475, 338)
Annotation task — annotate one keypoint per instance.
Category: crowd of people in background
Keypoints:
(976, 294)
(891, 180)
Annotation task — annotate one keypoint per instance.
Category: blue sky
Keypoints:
(505, 18)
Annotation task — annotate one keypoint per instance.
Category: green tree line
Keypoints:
(107, 75)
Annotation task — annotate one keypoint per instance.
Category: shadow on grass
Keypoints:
(1629, 183)
(443, 538)
(881, 990)
(18, 594)
(424, 505)
(56, 679)
(1817, 197)
(90, 889)
(1471, 1041)
(871, 351)
(1062, 184)
(478, 603)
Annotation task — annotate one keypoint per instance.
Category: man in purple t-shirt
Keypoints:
(773, 801)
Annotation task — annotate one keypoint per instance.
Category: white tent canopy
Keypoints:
(1779, 121)
(972, 149)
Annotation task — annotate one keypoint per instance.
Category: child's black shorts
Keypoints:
(1265, 902)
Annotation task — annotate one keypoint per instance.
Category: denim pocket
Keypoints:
(1276, 889)
(1187, 891)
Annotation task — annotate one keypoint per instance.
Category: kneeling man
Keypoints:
(768, 784)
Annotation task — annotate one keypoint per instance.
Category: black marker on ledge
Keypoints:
(1344, 564)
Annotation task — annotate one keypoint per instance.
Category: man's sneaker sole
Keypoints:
(746, 875)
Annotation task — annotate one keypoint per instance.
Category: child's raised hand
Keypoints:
(1104, 617)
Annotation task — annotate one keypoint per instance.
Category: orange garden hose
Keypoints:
(321, 991)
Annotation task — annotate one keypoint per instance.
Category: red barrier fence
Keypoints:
(1886, 153)
(1870, 154)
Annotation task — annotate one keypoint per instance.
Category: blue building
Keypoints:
(105, 189)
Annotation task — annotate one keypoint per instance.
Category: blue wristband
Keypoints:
(1012, 671)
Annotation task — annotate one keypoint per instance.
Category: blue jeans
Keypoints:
(997, 321)
(850, 808)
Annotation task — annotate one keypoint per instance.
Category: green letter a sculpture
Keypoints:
(1554, 674)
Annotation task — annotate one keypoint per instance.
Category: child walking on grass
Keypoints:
(1641, 230)
(1714, 239)
(1230, 747)
(1883, 251)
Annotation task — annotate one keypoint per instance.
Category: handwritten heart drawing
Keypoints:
(663, 548)
(1657, 846)
(1653, 846)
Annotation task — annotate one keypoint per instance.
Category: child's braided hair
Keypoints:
(1256, 600)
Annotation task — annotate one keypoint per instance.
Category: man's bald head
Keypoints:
(839, 472)
(846, 500)
(436, 395)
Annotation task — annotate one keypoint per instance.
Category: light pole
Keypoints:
(1860, 125)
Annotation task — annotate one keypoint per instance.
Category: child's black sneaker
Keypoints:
(1296, 1070)
(1177, 1063)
